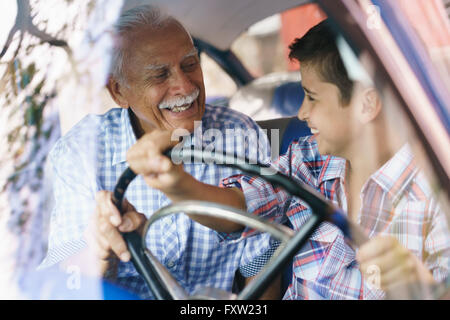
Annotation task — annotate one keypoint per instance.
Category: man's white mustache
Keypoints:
(179, 101)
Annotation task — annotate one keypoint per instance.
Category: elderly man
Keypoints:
(157, 81)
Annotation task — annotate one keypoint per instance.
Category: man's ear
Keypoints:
(371, 105)
(115, 90)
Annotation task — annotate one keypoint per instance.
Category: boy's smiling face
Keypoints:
(329, 120)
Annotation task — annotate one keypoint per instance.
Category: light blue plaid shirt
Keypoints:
(92, 156)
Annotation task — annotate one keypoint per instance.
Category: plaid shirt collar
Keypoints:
(333, 168)
(396, 174)
(393, 177)
(121, 138)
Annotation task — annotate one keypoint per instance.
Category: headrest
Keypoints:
(287, 98)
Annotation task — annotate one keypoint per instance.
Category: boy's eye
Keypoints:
(310, 98)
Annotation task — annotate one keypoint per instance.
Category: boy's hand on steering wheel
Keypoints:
(394, 264)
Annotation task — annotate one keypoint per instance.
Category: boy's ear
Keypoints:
(115, 90)
(371, 105)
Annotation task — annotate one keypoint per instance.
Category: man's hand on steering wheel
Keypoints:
(146, 158)
(103, 234)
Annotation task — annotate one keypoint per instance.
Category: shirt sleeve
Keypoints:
(437, 244)
(263, 200)
(73, 184)
(301, 162)
(256, 265)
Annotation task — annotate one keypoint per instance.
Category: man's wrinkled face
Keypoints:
(163, 79)
(330, 121)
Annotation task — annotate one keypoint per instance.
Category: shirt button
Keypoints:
(170, 264)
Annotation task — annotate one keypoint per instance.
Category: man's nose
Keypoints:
(180, 83)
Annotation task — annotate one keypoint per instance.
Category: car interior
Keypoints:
(408, 66)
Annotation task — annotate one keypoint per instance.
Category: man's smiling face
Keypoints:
(163, 79)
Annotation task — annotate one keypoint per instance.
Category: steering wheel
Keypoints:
(165, 287)
(213, 210)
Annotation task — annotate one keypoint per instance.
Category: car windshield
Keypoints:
(369, 135)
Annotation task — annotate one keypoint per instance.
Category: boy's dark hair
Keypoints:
(318, 47)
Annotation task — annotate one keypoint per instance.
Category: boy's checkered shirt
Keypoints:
(396, 200)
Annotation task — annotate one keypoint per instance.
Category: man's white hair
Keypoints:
(130, 20)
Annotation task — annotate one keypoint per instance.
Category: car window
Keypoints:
(263, 48)
(218, 84)
(399, 97)
(433, 31)
(260, 48)
(52, 78)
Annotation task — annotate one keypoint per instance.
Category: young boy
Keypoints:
(353, 158)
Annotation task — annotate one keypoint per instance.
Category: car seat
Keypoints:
(287, 100)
